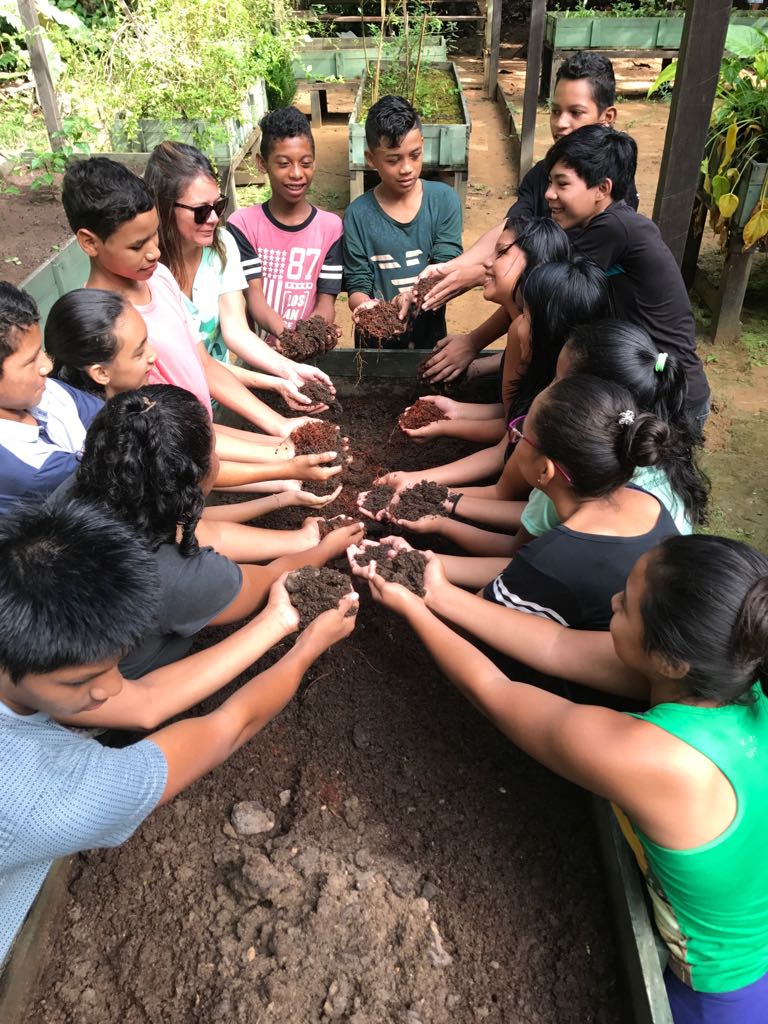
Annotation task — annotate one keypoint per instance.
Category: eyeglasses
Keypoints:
(203, 212)
(516, 435)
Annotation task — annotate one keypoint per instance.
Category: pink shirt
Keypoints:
(172, 337)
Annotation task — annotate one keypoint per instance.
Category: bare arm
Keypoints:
(228, 390)
(326, 307)
(261, 312)
(300, 467)
(195, 746)
(474, 572)
(455, 352)
(465, 271)
(472, 467)
(504, 515)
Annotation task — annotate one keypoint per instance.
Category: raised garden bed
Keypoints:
(336, 57)
(446, 146)
(420, 868)
(227, 138)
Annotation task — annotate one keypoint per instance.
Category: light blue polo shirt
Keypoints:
(61, 793)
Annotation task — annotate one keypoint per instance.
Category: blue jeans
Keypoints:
(748, 1005)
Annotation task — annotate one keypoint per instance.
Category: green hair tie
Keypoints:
(661, 362)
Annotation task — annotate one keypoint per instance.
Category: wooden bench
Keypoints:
(318, 97)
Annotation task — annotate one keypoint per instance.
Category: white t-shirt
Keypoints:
(213, 280)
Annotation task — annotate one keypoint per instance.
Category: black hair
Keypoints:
(559, 295)
(18, 312)
(77, 587)
(389, 120)
(170, 170)
(283, 123)
(596, 152)
(100, 195)
(80, 331)
(594, 429)
(540, 240)
(146, 454)
(624, 353)
(706, 604)
(597, 69)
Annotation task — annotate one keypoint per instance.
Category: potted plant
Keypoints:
(735, 167)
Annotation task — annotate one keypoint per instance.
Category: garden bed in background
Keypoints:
(421, 871)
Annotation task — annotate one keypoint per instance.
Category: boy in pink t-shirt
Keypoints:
(290, 251)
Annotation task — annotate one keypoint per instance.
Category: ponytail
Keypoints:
(80, 331)
(593, 428)
(705, 605)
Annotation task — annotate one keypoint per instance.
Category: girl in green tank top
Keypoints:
(689, 636)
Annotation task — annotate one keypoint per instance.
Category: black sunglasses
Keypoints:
(202, 213)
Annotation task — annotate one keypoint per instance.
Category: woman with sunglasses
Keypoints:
(205, 262)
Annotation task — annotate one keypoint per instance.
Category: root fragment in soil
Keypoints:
(379, 323)
(318, 392)
(406, 568)
(335, 523)
(314, 590)
(423, 499)
(307, 339)
(421, 413)
(378, 498)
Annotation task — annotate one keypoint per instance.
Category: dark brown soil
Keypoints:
(423, 499)
(438, 387)
(421, 290)
(316, 392)
(319, 437)
(335, 523)
(315, 590)
(34, 229)
(398, 807)
(420, 414)
(378, 497)
(379, 323)
(308, 339)
(406, 568)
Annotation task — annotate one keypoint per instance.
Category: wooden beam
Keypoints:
(706, 23)
(491, 47)
(532, 73)
(40, 71)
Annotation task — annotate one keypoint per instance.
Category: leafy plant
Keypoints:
(738, 133)
(622, 9)
(49, 164)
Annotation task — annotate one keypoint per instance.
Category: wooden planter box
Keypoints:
(613, 33)
(670, 32)
(236, 129)
(331, 57)
(446, 146)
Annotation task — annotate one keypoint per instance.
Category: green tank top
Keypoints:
(711, 902)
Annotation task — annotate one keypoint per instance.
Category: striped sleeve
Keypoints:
(329, 280)
(249, 256)
(525, 588)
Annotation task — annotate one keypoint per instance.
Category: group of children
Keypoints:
(579, 574)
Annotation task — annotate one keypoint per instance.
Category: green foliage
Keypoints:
(48, 164)
(621, 9)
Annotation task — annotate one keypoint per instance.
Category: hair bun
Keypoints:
(750, 636)
(643, 440)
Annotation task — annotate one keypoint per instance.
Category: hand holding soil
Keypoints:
(398, 480)
(418, 418)
(320, 395)
(425, 500)
(318, 437)
(308, 338)
(336, 542)
(309, 500)
(373, 503)
(403, 567)
(315, 467)
(378, 322)
(424, 285)
(280, 606)
(327, 526)
(314, 590)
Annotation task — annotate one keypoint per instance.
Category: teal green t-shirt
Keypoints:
(711, 902)
(540, 515)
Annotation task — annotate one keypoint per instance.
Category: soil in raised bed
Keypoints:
(420, 414)
(314, 590)
(423, 499)
(397, 806)
(307, 339)
(318, 392)
(406, 568)
(436, 97)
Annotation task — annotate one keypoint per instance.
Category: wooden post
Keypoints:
(726, 319)
(706, 23)
(491, 47)
(532, 73)
(40, 71)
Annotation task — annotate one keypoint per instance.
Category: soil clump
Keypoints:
(315, 438)
(318, 392)
(327, 526)
(420, 414)
(378, 497)
(423, 499)
(314, 590)
(406, 568)
(380, 322)
(307, 339)
(421, 290)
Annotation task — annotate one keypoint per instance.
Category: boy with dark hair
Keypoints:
(393, 232)
(61, 634)
(113, 215)
(585, 93)
(42, 422)
(290, 250)
(590, 172)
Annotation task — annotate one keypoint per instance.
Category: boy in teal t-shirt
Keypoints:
(404, 224)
